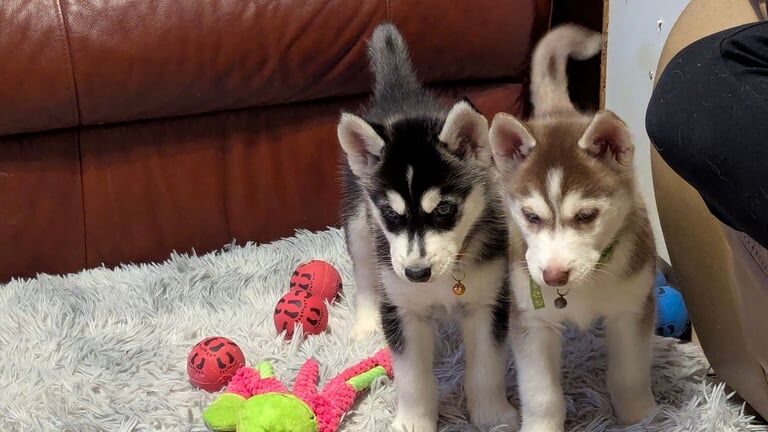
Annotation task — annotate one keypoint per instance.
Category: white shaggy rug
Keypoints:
(105, 350)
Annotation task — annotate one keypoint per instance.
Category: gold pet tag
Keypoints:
(458, 288)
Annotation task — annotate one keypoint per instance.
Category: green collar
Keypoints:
(538, 298)
(607, 253)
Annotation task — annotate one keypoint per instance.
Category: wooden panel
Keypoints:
(583, 76)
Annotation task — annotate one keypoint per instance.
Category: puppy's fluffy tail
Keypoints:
(549, 82)
(394, 76)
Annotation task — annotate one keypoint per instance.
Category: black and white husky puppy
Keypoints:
(421, 212)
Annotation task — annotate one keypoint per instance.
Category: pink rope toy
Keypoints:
(256, 401)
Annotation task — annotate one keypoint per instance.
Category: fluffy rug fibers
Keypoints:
(105, 350)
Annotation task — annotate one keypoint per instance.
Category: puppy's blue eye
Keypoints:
(445, 209)
(390, 214)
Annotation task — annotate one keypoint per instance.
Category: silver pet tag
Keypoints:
(561, 302)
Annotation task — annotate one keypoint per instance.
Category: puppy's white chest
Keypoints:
(582, 305)
(481, 282)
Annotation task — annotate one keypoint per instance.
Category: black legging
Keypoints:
(708, 118)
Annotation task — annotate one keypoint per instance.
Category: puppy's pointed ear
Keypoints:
(359, 141)
(511, 142)
(465, 132)
(607, 139)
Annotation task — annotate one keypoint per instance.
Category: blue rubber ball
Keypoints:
(671, 313)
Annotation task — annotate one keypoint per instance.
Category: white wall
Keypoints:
(635, 40)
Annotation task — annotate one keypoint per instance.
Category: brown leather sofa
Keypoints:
(722, 274)
(129, 129)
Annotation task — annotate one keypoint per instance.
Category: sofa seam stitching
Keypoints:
(70, 63)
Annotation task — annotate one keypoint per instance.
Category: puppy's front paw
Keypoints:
(365, 325)
(500, 416)
(413, 423)
(541, 426)
(631, 410)
(544, 427)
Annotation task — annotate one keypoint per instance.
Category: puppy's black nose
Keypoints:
(418, 274)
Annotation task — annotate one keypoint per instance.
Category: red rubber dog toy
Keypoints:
(212, 362)
(301, 307)
(319, 278)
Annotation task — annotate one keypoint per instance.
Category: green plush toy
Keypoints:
(255, 401)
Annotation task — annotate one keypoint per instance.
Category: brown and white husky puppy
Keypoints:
(582, 247)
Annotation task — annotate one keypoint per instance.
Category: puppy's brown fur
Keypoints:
(575, 212)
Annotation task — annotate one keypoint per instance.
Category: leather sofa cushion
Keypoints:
(94, 62)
